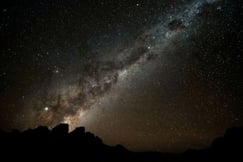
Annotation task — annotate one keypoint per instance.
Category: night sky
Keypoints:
(162, 75)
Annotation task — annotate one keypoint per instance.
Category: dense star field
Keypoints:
(160, 75)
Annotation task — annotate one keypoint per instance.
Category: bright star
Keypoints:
(46, 108)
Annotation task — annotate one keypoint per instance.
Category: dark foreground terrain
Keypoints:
(59, 145)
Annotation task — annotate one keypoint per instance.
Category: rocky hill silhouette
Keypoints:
(60, 145)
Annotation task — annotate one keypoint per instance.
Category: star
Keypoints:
(56, 71)
(46, 108)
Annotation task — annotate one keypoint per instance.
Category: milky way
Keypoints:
(158, 86)
(68, 100)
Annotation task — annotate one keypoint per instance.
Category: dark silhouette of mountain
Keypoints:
(60, 145)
